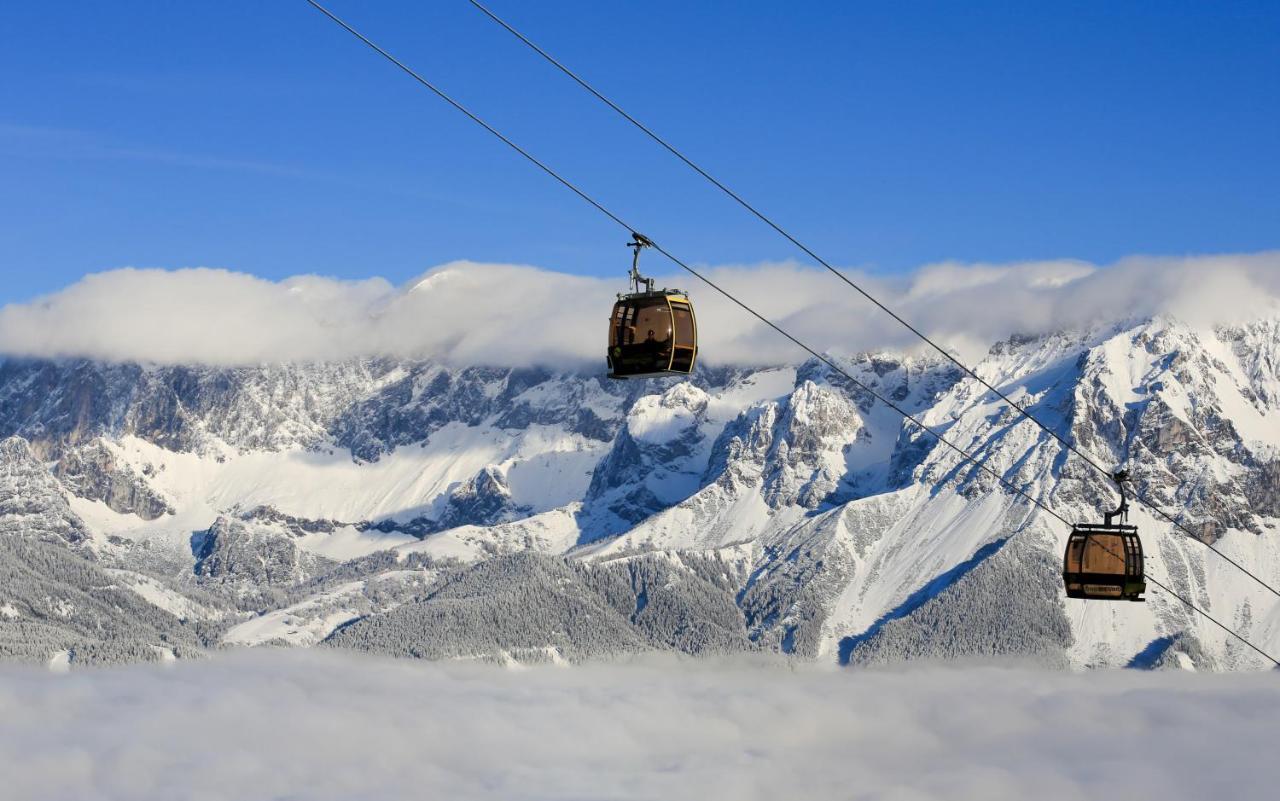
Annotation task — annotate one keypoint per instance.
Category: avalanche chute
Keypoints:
(652, 333)
(1104, 560)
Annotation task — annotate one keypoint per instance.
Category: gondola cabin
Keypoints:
(1104, 561)
(652, 334)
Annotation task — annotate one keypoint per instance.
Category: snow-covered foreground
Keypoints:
(321, 725)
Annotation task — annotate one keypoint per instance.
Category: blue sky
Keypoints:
(259, 137)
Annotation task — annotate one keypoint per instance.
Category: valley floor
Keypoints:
(317, 724)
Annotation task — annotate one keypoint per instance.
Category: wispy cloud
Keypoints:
(328, 726)
(33, 141)
(503, 314)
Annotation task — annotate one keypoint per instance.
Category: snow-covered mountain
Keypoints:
(414, 508)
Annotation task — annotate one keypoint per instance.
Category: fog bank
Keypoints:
(320, 725)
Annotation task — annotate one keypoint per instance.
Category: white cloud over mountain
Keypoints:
(474, 313)
(271, 724)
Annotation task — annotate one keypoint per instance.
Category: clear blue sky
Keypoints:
(259, 137)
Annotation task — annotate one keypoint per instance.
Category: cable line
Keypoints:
(1138, 496)
(824, 359)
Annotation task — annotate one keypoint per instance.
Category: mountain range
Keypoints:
(517, 515)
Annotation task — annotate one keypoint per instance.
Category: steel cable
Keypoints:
(1137, 496)
(822, 358)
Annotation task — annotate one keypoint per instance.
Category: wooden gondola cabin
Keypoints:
(1103, 561)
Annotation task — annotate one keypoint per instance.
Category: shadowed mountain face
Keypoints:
(527, 514)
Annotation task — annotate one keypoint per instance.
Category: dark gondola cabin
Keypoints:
(1103, 561)
(652, 333)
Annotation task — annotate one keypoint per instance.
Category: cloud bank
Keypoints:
(318, 725)
(499, 314)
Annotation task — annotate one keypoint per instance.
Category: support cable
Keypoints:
(824, 359)
(1138, 496)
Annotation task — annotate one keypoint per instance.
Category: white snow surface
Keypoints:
(321, 725)
(348, 542)
(331, 485)
(303, 623)
(160, 596)
(60, 662)
(659, 418)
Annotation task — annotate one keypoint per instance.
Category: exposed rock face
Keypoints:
(792, 449)
(805, 456)
(32, 502)
(1172, 426)
(654, 461)
(297, 526)
(92, 471)
(236, 552)
(1262, 491)
(370, 407)
(414, 402)
(483, 500)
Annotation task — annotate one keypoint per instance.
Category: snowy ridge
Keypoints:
(338, 504)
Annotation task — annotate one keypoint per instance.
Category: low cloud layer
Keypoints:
(497, 314)
(319, 725)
